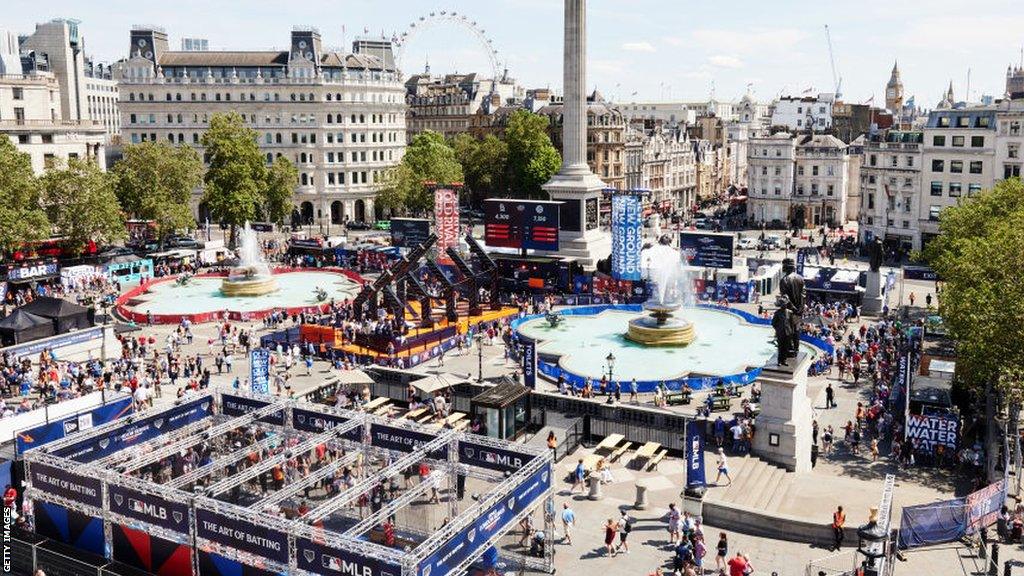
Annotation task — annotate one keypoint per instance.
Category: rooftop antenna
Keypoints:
(967, 93)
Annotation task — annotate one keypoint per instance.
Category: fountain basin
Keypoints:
(655, 331)
(255, 286)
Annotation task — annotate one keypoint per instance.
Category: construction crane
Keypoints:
(836, 78)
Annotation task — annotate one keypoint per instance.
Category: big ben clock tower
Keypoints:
(894, 91)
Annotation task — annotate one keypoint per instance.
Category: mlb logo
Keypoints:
(135, 506)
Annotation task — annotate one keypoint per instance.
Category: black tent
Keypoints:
(65, 315)
(20, 326)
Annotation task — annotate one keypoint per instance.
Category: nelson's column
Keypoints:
(575, 185)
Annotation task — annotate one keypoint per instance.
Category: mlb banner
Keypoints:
(242, 535)
(529, 364)
(695, 476)
(57, 429)
(484, 456)
(402, 440)
(259, 370)
(446, 221)
(65, 484)
(627, 237)
(316, 422)
(143, 507)
(316, 558)
(240, 405)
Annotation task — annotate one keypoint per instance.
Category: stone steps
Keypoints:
(756, 484)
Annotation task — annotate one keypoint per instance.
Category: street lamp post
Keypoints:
(610, 359)
(480, 356)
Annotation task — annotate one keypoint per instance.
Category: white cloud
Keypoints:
(725, 61)
(746, 41)
(639, 47)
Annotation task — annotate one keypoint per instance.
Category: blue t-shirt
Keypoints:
(580, 472)
(568, 516)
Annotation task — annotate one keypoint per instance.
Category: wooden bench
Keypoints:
(609, 443)
(620, 451)
(673, 398)
(382, 410)
(414, 414)
(461, 424)
(720, 403)
(653, 463)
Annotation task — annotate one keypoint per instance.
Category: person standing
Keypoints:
(633, 391)
(577, 477)
(625, 526)
(673, 524)
(723, 468)
(568, 522)
(838, 521)
(830, 395)
(738, 565)
(721, 551)
(610, 529)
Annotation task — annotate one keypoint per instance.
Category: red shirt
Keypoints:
(10, 496)
(736, 566)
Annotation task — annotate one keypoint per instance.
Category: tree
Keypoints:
(532, 159)
(81, 204)
(236, 178)
(281, 180)
(980, 257)
(484, 163)
(22, 219)
(155, 181)
(427, 159)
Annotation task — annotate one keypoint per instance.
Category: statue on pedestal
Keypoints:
(876, 251)
(791, 312)
(780, 322)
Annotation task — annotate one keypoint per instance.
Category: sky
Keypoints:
(638, 50)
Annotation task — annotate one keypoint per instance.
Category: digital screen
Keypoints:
(530, 224)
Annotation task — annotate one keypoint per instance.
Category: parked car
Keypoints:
(357, 225)
(747, 244)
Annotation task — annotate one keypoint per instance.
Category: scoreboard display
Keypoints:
(527, 224)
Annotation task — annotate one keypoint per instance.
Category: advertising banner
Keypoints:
(139, 431)
(69, 526)
(240, 406)
(919, 273)
(149, 553)
(242, 535)
(706, 249)
(499, 517)
(627, 237)
(56, 342)
(933, 430)
(316, 422)
(211, 564)
(57, 429)
(33, 272)
(983, 506)
(484, 456)
(529, 224)
(59, 482)
(317, 558)
(530, 364)
(259, 370)
(402, 440)
(409, 232)
(695, 454)
(148, 508)
(446, 221)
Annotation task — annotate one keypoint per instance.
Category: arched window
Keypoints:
(304, 179)
(278, 138)
(270, 158)
(177, 96)
(328, 96)
(269, 138)
(330, 117)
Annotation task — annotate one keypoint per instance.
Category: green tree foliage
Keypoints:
(532, 159)
(980, 257)
(154, 181)
(427, 159)
(81, 204)
(281, 180)
(236, 178)
(484, 163)
(22, 219)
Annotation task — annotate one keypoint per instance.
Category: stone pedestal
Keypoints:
(641, 495)
(693, 502)
(783, 428)
(594, 482)
(873, 301)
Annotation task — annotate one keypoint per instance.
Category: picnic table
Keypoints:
(455, 418)
(590, 462)
(681, 397)
(645, 453)
(720, 403)
(375, 403)
(610, 442)
(461, 424)
(414, 414)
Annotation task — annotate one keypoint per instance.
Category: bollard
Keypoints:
(595, 487)
(993, 565)
(641, 495)
(1007, 568)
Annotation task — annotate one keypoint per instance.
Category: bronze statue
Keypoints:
(876, 251)
(783, 329)
(791, 287)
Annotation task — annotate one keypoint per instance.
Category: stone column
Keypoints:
(574, 79)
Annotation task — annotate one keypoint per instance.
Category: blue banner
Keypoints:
(706, 249)
(484, 456)
(529, 364)
(259, 370)
(317, 422)
(695, 454)
(316, 558)
(138, 431)
(240, 405)
(68, 485)
(627, 237)
(57, 429)
(242, 535)
(144, 507)
(472, 539)
(929, 524)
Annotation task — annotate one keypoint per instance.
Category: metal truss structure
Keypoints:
(97, 488)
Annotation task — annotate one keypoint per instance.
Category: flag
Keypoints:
(808, 91)
(870, 100)
(910, 102)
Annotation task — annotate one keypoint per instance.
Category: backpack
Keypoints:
(629, 525)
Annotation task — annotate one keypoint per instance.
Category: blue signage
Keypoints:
(402, 440)
(242, 535)
(148, 508)
(470, 540)
(695, 454)
(57, 429)
(33, 272)
(138, 431)
(706, 249)
(317, 422)
(484, 456)
(56, 342)
(627, 237)
(232, 405)
(317, 558)
(259, 370)
(530, 364)
(69, 485)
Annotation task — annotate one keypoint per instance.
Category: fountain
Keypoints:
(252, 276)
(670, 291)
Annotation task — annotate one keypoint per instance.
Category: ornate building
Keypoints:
(606, 137)
(339, 117)
(894, 91)
(449, 104)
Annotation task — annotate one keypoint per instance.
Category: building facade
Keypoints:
(798, 181)
(448, 104)
(770, 178)
(340, 118)
(890, 184)
(803, 114)
(606, 137)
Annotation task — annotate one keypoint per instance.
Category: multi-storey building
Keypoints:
(890, 185)
(339, 117)
(799, 181)
(448, 104)
(101, 98)
(801, 114)
(31, 116)
(606, 137)
(959, 147)
(770, 170)
(1010, 131)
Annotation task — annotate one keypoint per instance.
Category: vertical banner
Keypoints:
(446, 221)
(627, 237)
(259, 370)
(983, 506)
(695, 454)
(530, 364)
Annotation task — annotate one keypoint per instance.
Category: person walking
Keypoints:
(723, 468)
(830, 396)
(721, 551)
(673, 524)
(578, 476)
(633, 391)
(568, 523)
(625, 526)
(838, 521)
(610, 529)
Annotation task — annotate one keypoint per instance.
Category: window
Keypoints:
(799, 170)
(910, 161)
(983, 122)
(873, 160)
(831, 189)
(936, 188)
(977, 141)
(944, 122)
(907, 203)
(814, 170)
(958, 141)
(906, 224)
(933, 213)
(956, 166)
(895, 161)
(963, 122)
(1015, 128)
(954, 189)
(938, 140)
(1011, 171)
(1013, 150)
(976, 166)
(938, 165)
(764, 170)
(18, 93)
(973, 189)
